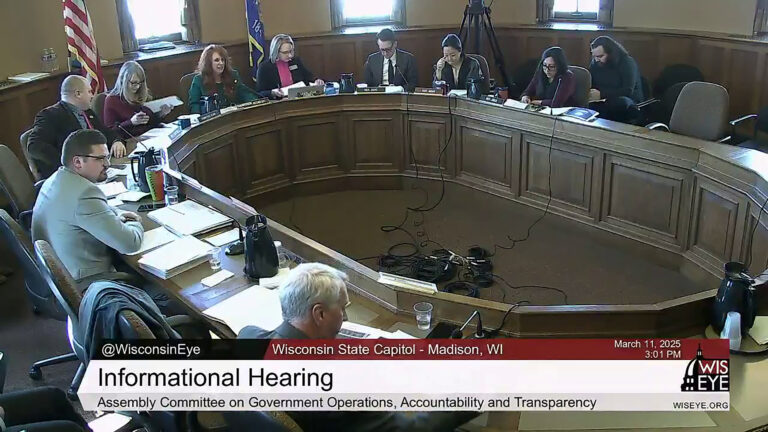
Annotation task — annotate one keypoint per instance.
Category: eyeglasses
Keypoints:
(286, 52)
(106, 160)
(549, 67)
(136, 83)
(387, 50)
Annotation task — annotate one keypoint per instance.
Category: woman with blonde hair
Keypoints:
(282, 69)
(124, 110)
(216, 77)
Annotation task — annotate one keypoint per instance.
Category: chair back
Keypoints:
(184, 84)
(59, 280)
(23, 140)
(38, 291)
(484, 69)
(15, 182)
(674, 74)
(132, 326)
(701, 111)
(97, 105)
(583, 84)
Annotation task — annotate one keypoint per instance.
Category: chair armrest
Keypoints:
(654, 126)
(741, 119)
(25, 220)
(648, 102)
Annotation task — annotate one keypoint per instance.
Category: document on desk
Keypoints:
(256, 306)
(156, 105)
(188, 218)
(112, 189)
(132, 196)
(155, 238)
(175, 257)
(224, 238)
(294, 85)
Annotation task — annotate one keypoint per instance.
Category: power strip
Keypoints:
(408, 283)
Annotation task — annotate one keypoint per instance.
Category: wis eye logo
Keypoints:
(706, 375)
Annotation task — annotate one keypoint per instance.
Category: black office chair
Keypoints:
(483, 70)
(97, 105)
(522, 76)
(24, 141)
(676, 73)
(759, 138)
(659, 110)
(184, 84)
(68, 296)
(18, 187)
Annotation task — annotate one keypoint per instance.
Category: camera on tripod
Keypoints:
(476, 22)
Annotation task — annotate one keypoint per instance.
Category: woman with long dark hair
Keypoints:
(553, 85)
(215, 76)
(454, 67)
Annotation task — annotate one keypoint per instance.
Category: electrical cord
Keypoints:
(543, 287)
(748, 261)
(494, 332)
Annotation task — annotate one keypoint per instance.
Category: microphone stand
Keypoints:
(479, 332)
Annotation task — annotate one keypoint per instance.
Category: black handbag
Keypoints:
(260, 252)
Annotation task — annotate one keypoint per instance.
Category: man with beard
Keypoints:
(71, 212)
(616, 84)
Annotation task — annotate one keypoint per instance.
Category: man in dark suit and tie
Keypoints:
(391, 66)
(54, 124)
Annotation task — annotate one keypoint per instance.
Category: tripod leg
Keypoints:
(498, 55)
(462, 36)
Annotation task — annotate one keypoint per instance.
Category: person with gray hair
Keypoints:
(313, 298)
(55, 123)
(282, 69)
(124, 110)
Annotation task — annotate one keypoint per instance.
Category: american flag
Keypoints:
(82, 44)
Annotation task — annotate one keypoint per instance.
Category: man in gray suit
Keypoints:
(72, 214)
(313, 299)
(391, 66)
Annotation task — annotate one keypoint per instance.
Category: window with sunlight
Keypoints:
(156, 19)
(367, 11)
(576, 9)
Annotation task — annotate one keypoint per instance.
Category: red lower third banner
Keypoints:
(424, 375)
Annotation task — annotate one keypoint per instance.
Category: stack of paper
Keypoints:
(188, 218)
(156, 105)
(299, 84)
(154, 239)
(175, 257)
(112, 189)
(255, 306)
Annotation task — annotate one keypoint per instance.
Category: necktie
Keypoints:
(391, 72)
(87, 120)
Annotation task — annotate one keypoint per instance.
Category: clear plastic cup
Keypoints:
(214, 259)
(171, 195)
(423, 315)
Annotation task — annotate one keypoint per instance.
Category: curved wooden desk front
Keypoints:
(689, 203)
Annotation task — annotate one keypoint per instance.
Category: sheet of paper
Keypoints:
(457, 93)
(294, 85)
(224, 238)
(112, 189)
(156, 104)
(394, 89)
(114, 202)
(217, 278)
(274, 281)
(188, 218)
(114, 172)
(515, 104)
(132, 196)
(256, 306)
(175, 254)
(154, 239)
(759, 331)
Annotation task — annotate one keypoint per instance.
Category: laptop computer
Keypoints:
(309, 91)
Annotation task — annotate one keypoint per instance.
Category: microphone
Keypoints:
(407, 84)
(557, 89)
(479, 333)
(139, 140)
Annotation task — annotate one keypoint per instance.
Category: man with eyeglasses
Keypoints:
(54, 124)
(314, 299)
(391, 66)
(71, 212)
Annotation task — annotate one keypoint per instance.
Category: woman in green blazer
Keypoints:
(215, 76)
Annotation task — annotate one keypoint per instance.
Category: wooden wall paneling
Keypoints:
(743, 68)
(318, 145)
(214, 156)
(427, 135)
(263, 158)
(536, 43)
(189, 166)
(711, 58)
(15, 122)
(661, 213)
(570, 168)
(673, 50)
(373, 142)
(717, 222)
(313, 56)
(576, 48)
(759, 244)
(644, 49)
(484, 154)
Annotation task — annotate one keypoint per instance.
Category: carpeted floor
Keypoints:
(559, 253)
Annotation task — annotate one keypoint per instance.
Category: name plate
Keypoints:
(372, 90)
(175, 134)
(428, 90)
(209, 115)
(493, 99)
(257, 102)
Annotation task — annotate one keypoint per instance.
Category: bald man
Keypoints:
(54, 124)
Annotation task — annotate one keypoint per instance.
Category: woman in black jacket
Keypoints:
(282, 69)
(454, 67)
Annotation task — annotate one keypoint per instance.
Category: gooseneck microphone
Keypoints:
(407, 84)
(479, 333)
